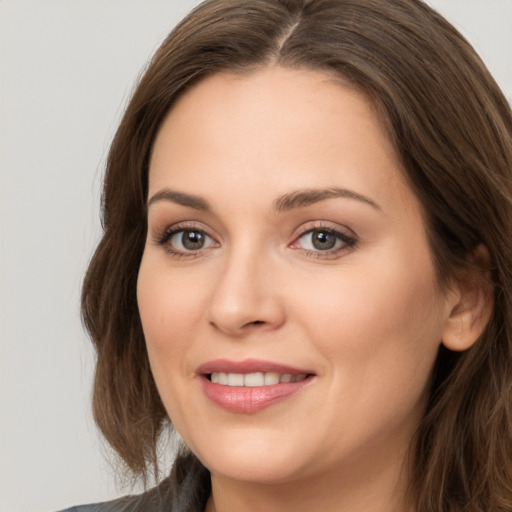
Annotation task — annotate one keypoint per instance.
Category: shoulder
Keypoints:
(127, 504)
(158, 499)
(97, 507)
(107, 506)
(186, 490)
(155, 500)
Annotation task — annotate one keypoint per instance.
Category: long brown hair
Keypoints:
(452, 128)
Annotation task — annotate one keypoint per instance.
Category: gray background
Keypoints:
(67, 68)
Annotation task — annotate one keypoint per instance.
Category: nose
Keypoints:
(246, 297)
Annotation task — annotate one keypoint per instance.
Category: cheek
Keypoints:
(169, 308)
(381, 321)
(168, 312)
(380, 334)
(168, 304)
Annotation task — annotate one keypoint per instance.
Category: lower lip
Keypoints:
(250, 399)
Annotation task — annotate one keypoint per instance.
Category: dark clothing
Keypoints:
(186, 490)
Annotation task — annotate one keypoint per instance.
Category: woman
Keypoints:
(306, 265)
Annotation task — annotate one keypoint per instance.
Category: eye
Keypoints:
(186, 241)
(322, 240)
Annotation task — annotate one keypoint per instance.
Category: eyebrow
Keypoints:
(189, 200)
(306, 197)
(284, 203)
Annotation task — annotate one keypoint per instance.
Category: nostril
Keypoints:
(253, 324)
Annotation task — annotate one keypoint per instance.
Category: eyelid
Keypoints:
(344, 233)
(162, 238)
(347, 236)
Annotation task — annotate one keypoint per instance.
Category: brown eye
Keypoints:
(323, 240)
(192, 240)
(185, 241)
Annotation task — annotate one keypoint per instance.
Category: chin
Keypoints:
(258, 470)
(250, 458)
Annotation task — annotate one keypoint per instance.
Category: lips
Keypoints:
(251, 385)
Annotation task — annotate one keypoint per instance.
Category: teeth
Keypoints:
(235, 379)
(254, 379)
(271, 378)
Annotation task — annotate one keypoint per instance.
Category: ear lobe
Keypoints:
(473, 304)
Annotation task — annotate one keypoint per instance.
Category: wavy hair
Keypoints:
(452, 128)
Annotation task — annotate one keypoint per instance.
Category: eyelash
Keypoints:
(165, 238)
(347, 241)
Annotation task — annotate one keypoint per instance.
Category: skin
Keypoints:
(367, 320)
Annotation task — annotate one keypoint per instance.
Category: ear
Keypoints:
(471, 304)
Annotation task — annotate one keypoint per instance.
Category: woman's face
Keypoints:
(287, 291)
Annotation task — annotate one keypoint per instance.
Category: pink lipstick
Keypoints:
(251, 385)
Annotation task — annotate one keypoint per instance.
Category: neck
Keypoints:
(369, 488)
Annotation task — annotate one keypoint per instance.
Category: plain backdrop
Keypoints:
(67, 68)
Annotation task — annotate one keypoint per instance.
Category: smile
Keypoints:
(251, 385)
(256, 379)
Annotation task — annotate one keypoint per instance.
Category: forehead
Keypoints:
(276, 126)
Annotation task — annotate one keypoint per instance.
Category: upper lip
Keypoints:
(248, 366)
